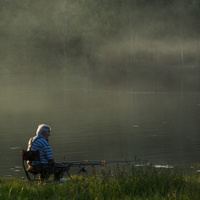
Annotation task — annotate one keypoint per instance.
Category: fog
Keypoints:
(123, 45)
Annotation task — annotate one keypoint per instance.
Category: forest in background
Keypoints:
(139, 45)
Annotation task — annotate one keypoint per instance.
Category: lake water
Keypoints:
(162, 128)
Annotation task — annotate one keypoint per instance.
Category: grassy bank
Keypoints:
(135, 183)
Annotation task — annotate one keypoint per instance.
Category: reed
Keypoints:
(118, 183)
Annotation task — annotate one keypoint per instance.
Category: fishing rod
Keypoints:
(87, 162)
(82, 164)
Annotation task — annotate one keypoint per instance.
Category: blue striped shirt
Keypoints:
(44, 148)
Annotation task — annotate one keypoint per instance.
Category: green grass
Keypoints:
(134, 183)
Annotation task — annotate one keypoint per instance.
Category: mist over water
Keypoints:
(101, 125)
(114, 80)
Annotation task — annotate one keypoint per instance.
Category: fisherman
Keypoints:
(46, 166)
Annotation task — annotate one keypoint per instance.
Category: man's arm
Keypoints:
(48, 153)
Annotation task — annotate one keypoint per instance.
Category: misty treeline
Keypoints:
(141, 45)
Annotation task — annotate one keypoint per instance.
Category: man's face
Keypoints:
(46, 135)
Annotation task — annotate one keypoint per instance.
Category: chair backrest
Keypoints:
(30, 155)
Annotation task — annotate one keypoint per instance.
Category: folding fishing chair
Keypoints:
(35, 156)
(31, 156)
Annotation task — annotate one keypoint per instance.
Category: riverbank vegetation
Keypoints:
(139, 45)
(136, 183)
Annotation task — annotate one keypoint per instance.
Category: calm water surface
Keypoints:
(101, 125)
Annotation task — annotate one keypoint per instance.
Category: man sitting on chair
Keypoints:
(46, 166)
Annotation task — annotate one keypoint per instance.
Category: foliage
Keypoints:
(135, 183)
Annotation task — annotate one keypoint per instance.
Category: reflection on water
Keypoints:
(155, 166)
(101, 125)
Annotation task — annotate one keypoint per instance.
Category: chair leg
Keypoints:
(69, 175)
(27, 175)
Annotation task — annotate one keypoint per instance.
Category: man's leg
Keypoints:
(59, 175)
(58, 172)
(44, 171)
(44, 175)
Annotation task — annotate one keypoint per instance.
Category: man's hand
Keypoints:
(51, 161)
